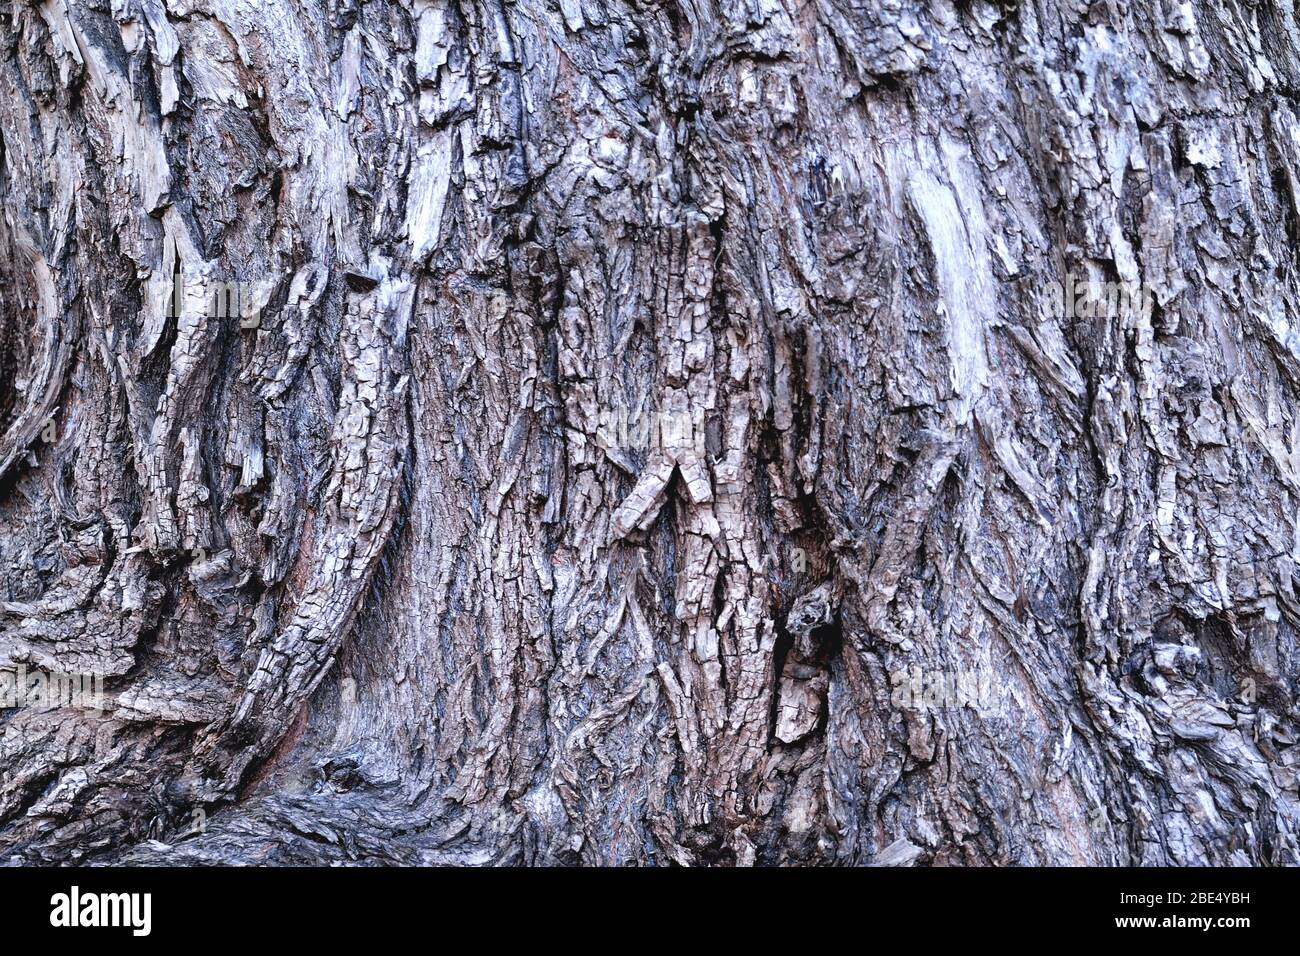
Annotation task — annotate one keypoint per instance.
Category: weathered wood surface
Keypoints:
(623, 397)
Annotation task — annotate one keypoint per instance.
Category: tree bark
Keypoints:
(620, 432)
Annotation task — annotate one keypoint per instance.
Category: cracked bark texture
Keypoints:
(384, 577)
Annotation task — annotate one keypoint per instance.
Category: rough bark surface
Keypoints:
(635, 387)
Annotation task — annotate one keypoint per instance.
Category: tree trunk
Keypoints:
(619, 432)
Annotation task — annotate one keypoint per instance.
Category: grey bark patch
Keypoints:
(633, 393)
